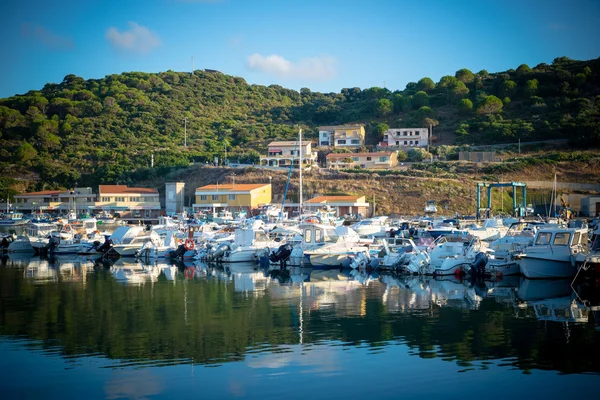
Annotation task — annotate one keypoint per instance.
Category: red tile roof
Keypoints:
(350, 155)
(42, 193)
(237, 187)
(123, 189)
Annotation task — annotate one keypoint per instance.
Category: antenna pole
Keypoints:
(300, 199)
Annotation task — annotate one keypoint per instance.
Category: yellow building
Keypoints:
(385, 160)
(129, 202)
(235, 196)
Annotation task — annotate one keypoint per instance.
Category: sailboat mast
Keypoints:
(300, 198)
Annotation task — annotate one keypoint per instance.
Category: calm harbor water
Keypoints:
(75, 328)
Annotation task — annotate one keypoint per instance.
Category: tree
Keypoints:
(531, 88)
(465, 107)
(507, 89)
(523, 69)
(402, 156)
(25, 152)
(418, 154)
(458, 91)
(380, 129)
(420, 99)
(384, 107)
(464, 75)
(425, 85)
(490, 105)
(447, 81)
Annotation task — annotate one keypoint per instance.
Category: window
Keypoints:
(46, 200)
(24, 200)
(368, 158)
(562, 239)
(215, 197)
(105, 199)
(324, 143)
(383, 159)
(231, 197)
(318, 237)
(202, 197)
(404, 133)
(119, 198)
(405, 142)
(543, 238)
(355, 141)
(576, 238)
(385, 138)
(354, 158)
(307, 236)
(341, 141)
(416, 142)
(397, 143)
(411, 142)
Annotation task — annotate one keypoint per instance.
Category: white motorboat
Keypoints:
(372, 227)
(248, 241)
(35, 238)
(519, 235)
(128, 241)
(491, 229)
(553, 253)
(335, 255)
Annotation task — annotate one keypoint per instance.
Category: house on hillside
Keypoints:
(286, 153)
(405, 138)
(241, 196)
(342, 136)
(378, 160)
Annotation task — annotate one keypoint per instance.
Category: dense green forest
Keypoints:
(106, 130)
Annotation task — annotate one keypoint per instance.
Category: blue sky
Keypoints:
(325, 45)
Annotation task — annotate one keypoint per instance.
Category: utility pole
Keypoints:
(185, 132)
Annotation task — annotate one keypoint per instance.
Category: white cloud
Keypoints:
(313, 68)
(138, 38)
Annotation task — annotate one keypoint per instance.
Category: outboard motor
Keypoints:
(178, 252)
(220, 252)
(105, 246)
(52, 244)
(282, 254)
(478, 266)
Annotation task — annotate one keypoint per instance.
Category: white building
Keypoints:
(405, 137)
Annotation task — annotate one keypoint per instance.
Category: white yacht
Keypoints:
(553, 253)
(35, 238)
(130, 239)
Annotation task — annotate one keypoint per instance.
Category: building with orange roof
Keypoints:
(378, 160)
(236, 196)
(129, 202)
(342, 204)
(59, 201)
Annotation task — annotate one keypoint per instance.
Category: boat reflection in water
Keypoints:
(260, 330)
(138, 273)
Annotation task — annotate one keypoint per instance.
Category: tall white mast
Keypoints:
(300, 200)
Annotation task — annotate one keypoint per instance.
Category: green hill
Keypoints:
(106, 130)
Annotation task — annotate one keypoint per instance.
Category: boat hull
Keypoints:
(537, 267)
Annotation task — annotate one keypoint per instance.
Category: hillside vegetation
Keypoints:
(88, 132)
